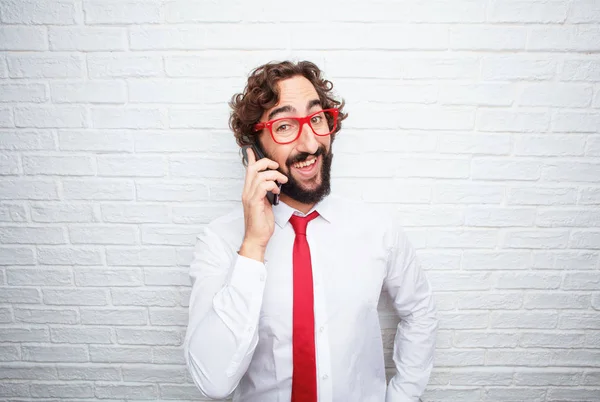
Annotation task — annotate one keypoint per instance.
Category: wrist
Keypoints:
(252, 250)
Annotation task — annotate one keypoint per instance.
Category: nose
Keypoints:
(307, 142)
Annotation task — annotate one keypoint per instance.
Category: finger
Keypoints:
(263, 164)
(272, 175)
(251, 156)
(264, 187)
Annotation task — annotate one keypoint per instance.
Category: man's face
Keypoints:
(307, 161)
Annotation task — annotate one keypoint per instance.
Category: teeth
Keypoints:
(305, 163)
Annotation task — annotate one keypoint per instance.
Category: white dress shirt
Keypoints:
(239, 335)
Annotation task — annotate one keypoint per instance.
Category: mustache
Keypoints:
(304, 155)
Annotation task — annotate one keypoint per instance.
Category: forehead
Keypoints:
(294, 90)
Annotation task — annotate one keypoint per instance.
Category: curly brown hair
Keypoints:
(261, 93)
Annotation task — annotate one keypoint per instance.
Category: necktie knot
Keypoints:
(299, 223)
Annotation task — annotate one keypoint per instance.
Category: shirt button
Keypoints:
(321, 329)
(325, 377)
(262, 277)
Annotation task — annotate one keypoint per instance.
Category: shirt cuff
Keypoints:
(248, 274)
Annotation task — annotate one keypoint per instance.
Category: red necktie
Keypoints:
(304, 378)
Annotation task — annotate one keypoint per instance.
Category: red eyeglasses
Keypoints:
(288, 129)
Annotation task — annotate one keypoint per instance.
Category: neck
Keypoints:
(304, 208)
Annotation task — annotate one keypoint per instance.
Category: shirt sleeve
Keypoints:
(224, 310)
(414, 344)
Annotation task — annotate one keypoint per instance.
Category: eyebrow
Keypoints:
(287, 108)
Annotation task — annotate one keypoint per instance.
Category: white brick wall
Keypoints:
(478, 120)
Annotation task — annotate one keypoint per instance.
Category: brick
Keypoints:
(502, 260)
(548, 145)
(465, 358)
(32, 92)
(9, 353)
(6, 117)
(112, 234)
(564, 38)
(452, 394)
(436, 216)
(414, 117)
(584, 11)
(556, 300)
(488, 94)
(181, 91)
(80, 335)
(148, 337)
(201, 214)
(490, 301)
(580, 320)
(12, 295)
(495, 120)
(16, 256)
(5, 315)
(58, 165)
(171, 191)
(573, 260)
(62, 12)
(359, 36)
(134, 118)
(108, 277)
(518, 280)
(581, 281)
(568, 218)
(9, 165)
(520, 319)
(144, 256)
(62, 390)
(388, 91)
(589, 196)
(467, 193)
(167, 355)
(139, 166)
(485, 339)
(46, 315)
(26, 140)
(88, 92)
(173, 141)
(553, 11)
(537, 239)
(575, 122)
(105, 316)
(98, 189)
(553, 376)
(64, 212)
(11, 389)
(203, 167)
(512, 394)
(591, 378)
(551, 340)
(593, 146)
(129, 391)
(557, 95)
(575, 358)
(13, 213)
(95, 140)
(9, 334)
(145, 297)
(466, 37)
(118, 66)
(179, 392)
(480, 377)
(134, 213)
(75, 297)
(451, 281)
(121, 12)
(91, 373)
(499, 217)
(154, 374)
(26, 372)
(541, 195)
(111, 354)
(585, 240)
(197, 117)
(50, 116)
(55, 354)
(580, 70)
(517, 67)
(518, 358)
(172, 235)
(87, 39)
(572, 394)
(463, 320)
(33, 65)
(168, 316)
(69, 256)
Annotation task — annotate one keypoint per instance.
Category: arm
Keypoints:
(225, 304)
(414, 344)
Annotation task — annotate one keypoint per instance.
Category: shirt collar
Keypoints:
(284, 212)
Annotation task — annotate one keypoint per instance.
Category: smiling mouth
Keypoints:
(306, 163)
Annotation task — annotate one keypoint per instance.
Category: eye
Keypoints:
(316, 119)
(283, 127)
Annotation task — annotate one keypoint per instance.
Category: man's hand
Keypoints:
(258, 213)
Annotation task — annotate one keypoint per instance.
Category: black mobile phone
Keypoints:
(273, 198)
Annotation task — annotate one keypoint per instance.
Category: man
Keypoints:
(284, 298)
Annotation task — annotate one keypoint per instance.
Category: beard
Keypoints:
(294, 189)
